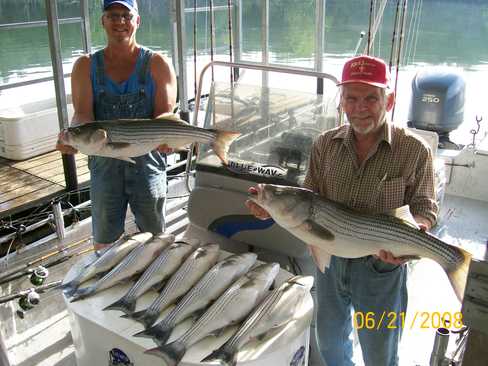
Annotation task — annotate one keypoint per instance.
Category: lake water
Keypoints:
(438, 32)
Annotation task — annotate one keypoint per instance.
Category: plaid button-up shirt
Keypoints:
(397, 172)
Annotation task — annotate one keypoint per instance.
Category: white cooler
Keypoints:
(104, 338)
(29, 129)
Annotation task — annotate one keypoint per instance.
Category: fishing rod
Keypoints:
(23, 267)
(370, 26)
(358, 44)
(393, 43)
(402, 29)
(229, 16)
(39, 273)
(39, 290)
(212, 36)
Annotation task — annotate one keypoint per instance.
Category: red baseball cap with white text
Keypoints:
(366, 70)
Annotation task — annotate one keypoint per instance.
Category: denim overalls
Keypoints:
(116, 183)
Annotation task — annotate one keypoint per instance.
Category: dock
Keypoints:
(27, 183)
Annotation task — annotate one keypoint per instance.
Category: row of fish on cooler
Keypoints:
(189, 276)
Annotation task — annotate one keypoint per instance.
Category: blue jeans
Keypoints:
(373, 289)
(114, 185)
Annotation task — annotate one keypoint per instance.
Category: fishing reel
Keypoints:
(27, 302)
(39, 275)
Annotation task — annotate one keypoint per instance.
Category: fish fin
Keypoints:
(409, 257)
(171, 117)
(99, 136)
(125, 158)
(125, 304)
(319, 230)
(198, 313)
(160, 333)
(171, 353)
(223, 356)
(81, 293)
(159, 286)
(403, 213)
(218, 332)
(459, 276)
(70, 288)
(222, 142)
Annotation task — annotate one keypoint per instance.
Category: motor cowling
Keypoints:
(437, 102)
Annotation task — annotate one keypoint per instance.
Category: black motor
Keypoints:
(437, 103)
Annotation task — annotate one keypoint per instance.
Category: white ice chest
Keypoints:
(99, 335)
(29, 129)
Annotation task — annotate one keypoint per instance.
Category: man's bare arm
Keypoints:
(165, 94)
(82, 97)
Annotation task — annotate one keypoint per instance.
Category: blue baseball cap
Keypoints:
(129, 4)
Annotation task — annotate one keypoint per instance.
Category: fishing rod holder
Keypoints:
(441, 341)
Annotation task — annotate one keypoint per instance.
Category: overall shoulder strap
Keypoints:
(144, 66)
(97, 58)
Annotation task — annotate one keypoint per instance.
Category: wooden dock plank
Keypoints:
(28, 198)
(35, 180)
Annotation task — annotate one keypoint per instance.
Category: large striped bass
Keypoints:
(134, 263)
(206, 290)
(160, 269)
(283, 315)
(125, 139)
(192, 270)
(340, 231)
(230, 308)
(109, 259)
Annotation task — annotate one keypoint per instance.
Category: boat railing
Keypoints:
(241, 65)
(83, 19)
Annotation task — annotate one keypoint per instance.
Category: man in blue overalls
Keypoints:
(123, 80)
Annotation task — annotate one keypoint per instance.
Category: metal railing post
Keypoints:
(69, 164)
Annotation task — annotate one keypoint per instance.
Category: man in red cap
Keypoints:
(371, 166)
(123, 81)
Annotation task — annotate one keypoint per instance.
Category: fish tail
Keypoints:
(149, 318)
(81, 293)
(223, 356)
(459, 276)
(222, 142)
(146, 317)
(171, 353)
(125, 304)
(70, 288)
(160, 333)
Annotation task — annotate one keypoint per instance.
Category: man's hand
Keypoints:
(165, 149)
(64, 149)
(255, 209)
(388, 257)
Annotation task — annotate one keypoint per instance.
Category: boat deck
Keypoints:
(35, 180)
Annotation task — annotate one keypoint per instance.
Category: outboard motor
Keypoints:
(437, 103)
